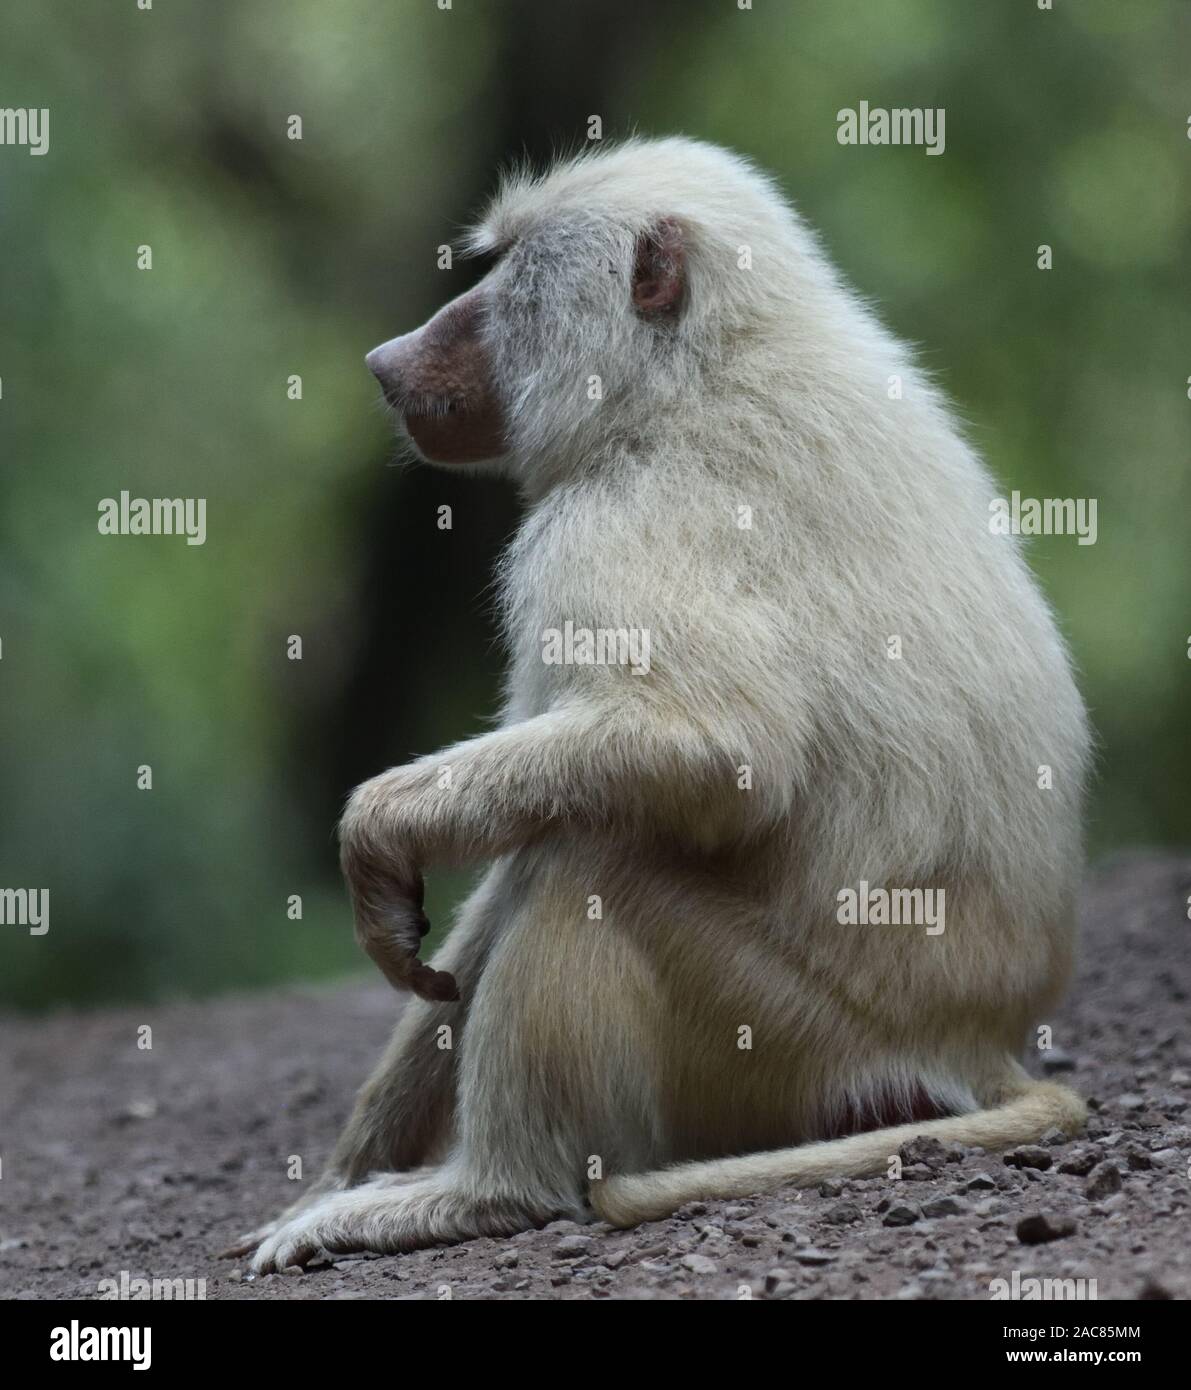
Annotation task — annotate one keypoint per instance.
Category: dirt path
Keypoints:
(120, 1159)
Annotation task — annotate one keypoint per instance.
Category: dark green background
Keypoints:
(273, 257)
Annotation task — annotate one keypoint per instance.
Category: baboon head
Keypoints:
(615, 283)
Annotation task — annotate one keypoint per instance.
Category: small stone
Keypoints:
(1153, 1289)
(571, 1247)
(918, 1172)
(1103, 1181)
(1138, 1159)
(1081, 1162)
(293, 1271)
(832, 1187)
(979, 1182)
(1029, 1156)
(783, 1290)
(902, 1214)
(989, 1206)
(652, 1252)
(699, 1264)
(925, 1150)
(1130, 1101)
(1040, 1228)
(507, 1259)
(812, 1256)
(776, 1277)
(1179, 1077)
(138, 1110)
(1054, 1059)
(843, 1214)
(1054, 1138)
(690, 1210)
(944, 1206)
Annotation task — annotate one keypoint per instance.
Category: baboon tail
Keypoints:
(1028, 1110)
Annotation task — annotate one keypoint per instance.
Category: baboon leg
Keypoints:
(558, 1073)
(403, 1114)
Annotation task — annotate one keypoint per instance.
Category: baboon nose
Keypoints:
(377, 362)
(386, 363)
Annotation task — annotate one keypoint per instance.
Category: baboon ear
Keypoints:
(659, 269)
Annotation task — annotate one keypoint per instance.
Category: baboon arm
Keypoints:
(588, 766)
(625, 765)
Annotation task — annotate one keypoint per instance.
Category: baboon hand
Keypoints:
(387, 893)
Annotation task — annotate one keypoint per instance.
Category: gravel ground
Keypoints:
(121, 1159)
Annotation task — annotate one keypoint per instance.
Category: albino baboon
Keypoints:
(850, 682)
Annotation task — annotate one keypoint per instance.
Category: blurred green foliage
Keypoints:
(274, 257)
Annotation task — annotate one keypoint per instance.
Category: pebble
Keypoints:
(812, 1256)
(902, 1214)
(572, 1246)
(923, 1150)
(1055, 1059)
(918, 1172)
(699, 1264)
(1041, 1228)
(1103, 1180)
(843, 1213)
(1153, 1288)
(989, 1206)
(944, 1206)
(559, 1228)
(1029, 1156)
(979, 1182)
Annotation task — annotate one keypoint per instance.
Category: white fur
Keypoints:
(617, 1041)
